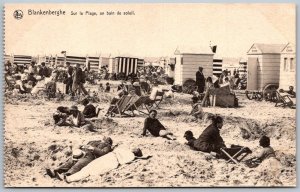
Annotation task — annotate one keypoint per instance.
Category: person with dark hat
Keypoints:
(154, 126)
(82, 157)
(200, 80)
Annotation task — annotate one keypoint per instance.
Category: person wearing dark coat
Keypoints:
(200, 80)
(210, 140)
(89, 110)
(69, 79)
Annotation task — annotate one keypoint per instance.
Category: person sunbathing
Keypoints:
(108, 162)
(82, 157)
(77, 119)
(154, 126)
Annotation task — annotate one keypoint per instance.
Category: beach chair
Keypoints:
(140, 103)
(122, 106)
(284, 101)
(235, 154)
(155, 102)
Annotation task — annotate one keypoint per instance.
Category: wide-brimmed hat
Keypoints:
(73, 108)
(78, 153)
(137, 152)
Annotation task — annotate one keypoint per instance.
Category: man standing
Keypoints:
(78, 80)
(200, 80)
(69, 80)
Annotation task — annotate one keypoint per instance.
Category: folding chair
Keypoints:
(157, 100)
(140, 102)
(284, 101)
(122, 106)
(235, 154)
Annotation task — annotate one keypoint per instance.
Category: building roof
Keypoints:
(266, 48)
(289, 47)
(193, 50)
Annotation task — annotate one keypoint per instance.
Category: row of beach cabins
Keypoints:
(265, 64)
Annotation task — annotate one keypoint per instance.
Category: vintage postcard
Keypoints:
(149, 95)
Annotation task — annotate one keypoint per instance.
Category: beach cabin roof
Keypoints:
(260, 48)
(193, 50)
(289, 48)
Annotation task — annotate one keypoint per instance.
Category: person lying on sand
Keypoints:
(154, 126)
(210, 140)
(81, 157)
(119, 156)
(266, 153)
(61, 115)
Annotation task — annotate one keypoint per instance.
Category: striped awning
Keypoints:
(22, 59)
(217, 67)
(127, 65)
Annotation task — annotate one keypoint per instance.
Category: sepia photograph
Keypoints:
(149, 95)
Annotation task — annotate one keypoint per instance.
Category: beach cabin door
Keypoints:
(252, 73)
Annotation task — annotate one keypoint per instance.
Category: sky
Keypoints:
(155, 30)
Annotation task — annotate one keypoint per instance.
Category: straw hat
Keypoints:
(73, 108)
(77, 154)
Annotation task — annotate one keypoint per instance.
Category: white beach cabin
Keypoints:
(188, 61)
(288, 67)
(263, 66)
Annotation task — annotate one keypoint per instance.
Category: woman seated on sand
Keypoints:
(154, 126)
(210, 140)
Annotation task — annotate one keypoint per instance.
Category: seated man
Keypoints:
(82, 157)
(89, 110)
(291, 92)
(155, 127)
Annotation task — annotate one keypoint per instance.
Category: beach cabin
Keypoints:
(93, 62)
(22, 59)
(242, 69)
(188, 61)
(127, 64)
(263, 65)
(73, 60)
(288, 67)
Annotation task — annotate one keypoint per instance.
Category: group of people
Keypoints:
(210, 141)
(72, 116)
